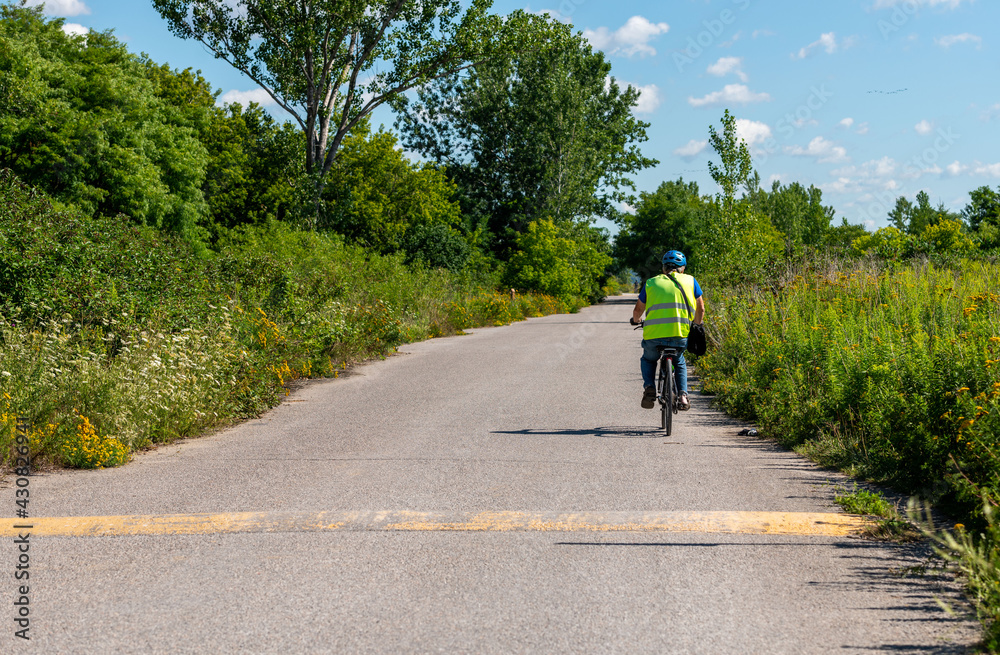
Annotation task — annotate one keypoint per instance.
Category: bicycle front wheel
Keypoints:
(667, 397)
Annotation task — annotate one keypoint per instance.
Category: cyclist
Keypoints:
(672, 302)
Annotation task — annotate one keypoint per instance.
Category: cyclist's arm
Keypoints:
(640, 307)
(699, 310)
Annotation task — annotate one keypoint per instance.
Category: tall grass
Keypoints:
(890, 373)
(116, 337)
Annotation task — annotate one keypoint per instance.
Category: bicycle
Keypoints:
(666, 384)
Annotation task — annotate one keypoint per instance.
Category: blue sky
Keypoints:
(866, 99)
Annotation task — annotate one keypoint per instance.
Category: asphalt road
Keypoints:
(497, 492)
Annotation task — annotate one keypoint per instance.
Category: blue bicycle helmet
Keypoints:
(674, 259)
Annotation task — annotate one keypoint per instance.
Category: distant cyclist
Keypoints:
(672, 302)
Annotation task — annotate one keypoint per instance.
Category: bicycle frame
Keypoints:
(667, 392)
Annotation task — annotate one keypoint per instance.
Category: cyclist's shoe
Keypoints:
(683, 402)
(648, 397)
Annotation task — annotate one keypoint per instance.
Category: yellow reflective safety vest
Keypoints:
(667, 315)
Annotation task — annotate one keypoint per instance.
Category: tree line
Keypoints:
(525, 135)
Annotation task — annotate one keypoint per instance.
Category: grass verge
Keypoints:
(890, 373)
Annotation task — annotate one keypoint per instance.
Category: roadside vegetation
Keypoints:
(116, 337)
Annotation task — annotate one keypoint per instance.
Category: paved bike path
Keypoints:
(463, 440)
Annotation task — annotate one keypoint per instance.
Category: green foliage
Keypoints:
(864, 502)
(736, 168)
(330, 64)
(983, 216)
(841, 237)
(943, 237)
(84, 119)
(914, 219)
(254, 172)
(551, 261)
(672, 218)
(436, 246)
(540, 134)
(740, 240)
(890, 374)
(947, 237)
(115, 337)
(376, 195)
(796, 212)
(889, 243)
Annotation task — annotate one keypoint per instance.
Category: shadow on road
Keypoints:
(901, 571)
(626, 432)
(665, 544)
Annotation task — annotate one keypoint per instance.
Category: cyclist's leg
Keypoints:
(648, 362)
(681, 375)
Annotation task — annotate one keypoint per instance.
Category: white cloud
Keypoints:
(826, 41)
(840, 185)
(862, 129)
(760, 33)
(691, 149)
(649, 99)
(260, 96)
(61, 7)
(730, 42)
(753, 132)
(75, 29)
(630, 39)
(727, 65)
(876, 168)
(991, 113)
(992, 170)
(627, 208)
(846, 123)
(956, 168)
(952, 39)
(730, 94)
(924, 127)
(823, 150)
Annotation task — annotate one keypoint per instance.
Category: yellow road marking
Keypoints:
(780, 523)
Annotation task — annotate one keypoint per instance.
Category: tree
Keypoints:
(377, 195)
(85, 120)
(545, 133)
(796, 212)
(844, 235)
(901, 214)
(331, 63)
(915, 218)
(736, 169)
(983, 216)
(671, 218)
(550, 260)
(255, 171)
(740, 241)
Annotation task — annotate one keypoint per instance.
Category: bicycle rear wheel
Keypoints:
(667, 398)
